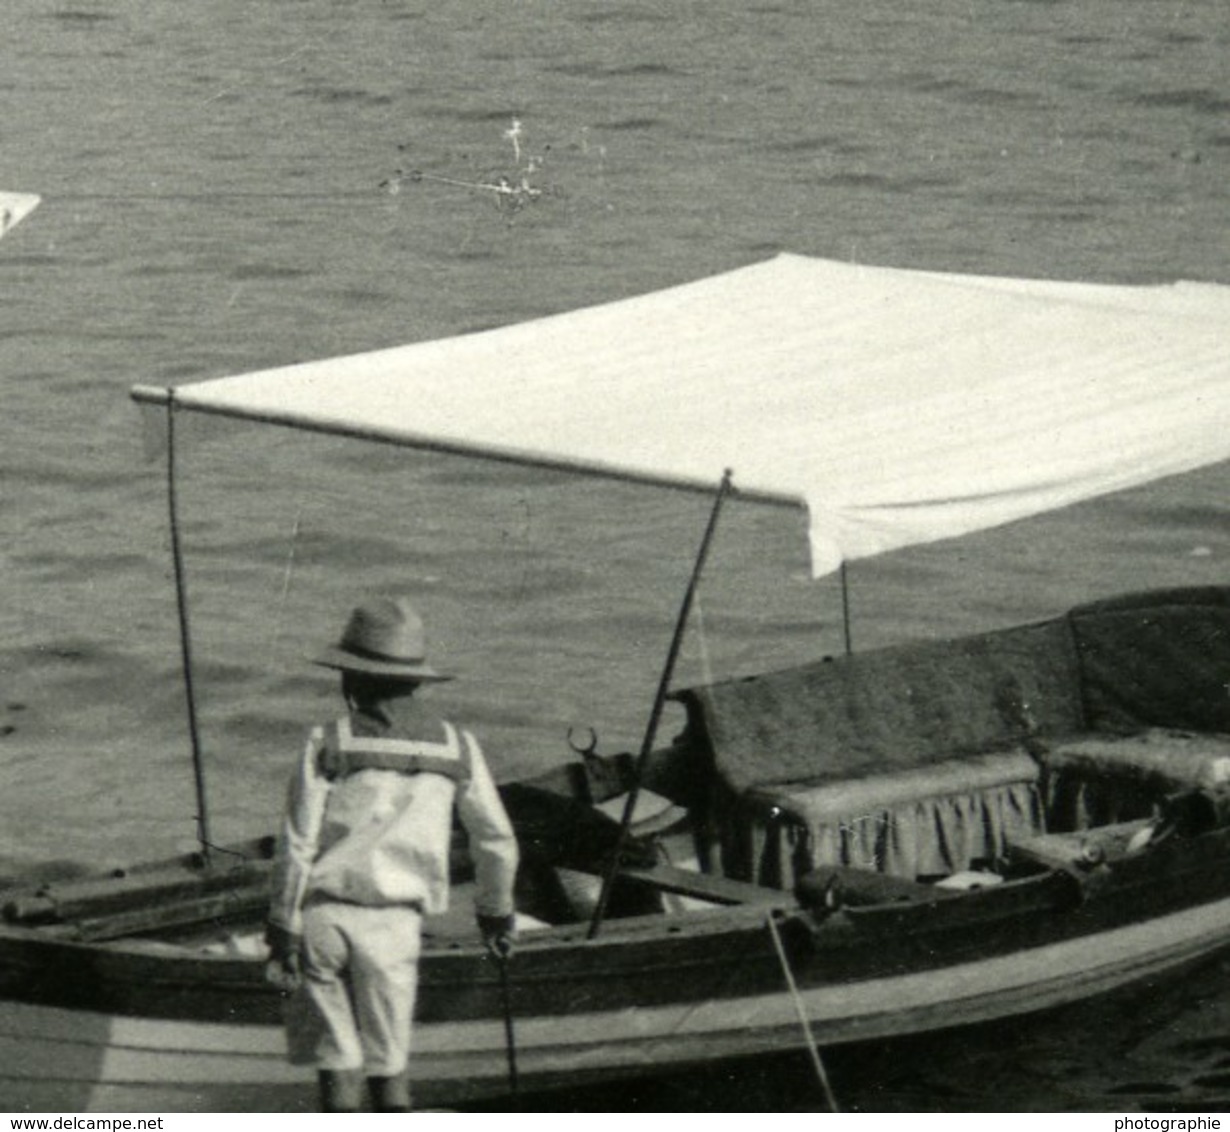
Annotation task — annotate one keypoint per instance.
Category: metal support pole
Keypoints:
(659, 702)
(845, 608)
(185, 639)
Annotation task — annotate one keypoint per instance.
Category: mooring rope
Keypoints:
(813, 1049)
(287, 574)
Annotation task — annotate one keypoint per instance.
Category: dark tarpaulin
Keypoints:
(892, 709)
(1158, 659)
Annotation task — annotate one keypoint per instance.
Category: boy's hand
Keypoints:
(283, 969)
(499, 934)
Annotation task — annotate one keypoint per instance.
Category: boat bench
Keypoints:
(1102, 780)
(1075, 797)
(1104, 791)
(926, 758)
(1163, 759)
(929, 821)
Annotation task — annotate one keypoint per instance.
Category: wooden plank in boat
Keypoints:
(219, 907)
(179, 879)
(720, 890)
(216, 907)
(862, 886)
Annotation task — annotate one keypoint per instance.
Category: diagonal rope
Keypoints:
(287, 574)
(813, 1049)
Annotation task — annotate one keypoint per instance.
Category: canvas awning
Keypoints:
(15, 207)
(898, 406)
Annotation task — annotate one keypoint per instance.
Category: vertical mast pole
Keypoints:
(185, 638)
(659, 702)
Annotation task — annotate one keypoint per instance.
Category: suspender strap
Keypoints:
(344, 754)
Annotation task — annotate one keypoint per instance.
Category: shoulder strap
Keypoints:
(344, 753)
(468, 744)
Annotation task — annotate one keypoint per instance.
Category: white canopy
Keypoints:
(900, 407)
(14, 207)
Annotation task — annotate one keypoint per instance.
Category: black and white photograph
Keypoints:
(597, 556)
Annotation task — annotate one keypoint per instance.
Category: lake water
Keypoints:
(228, 187)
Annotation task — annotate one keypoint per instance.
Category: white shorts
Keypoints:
(360, 969)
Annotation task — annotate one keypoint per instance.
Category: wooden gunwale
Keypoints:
(650, 961)
(456, 1058)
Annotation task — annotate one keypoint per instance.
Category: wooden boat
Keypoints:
(1048, 819)
(873, 845)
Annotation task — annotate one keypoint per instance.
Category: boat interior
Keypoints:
(920, 772)
(905, 776)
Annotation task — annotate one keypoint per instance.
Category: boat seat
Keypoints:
(851, 797)
(925, 821)
(1166, 760)
(674, 882)
(1097, 780)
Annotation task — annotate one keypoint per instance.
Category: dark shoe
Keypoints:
(390, 1094)
(341, 1090)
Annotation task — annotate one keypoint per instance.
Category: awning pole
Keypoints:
(845, 607)
(659, 702)
(185, 639)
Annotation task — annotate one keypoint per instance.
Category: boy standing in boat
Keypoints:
(364, 854)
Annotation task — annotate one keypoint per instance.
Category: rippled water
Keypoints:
(219, 196)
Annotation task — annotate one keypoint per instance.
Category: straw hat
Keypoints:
(384, 637)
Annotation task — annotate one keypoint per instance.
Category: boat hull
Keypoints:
(54, 1058)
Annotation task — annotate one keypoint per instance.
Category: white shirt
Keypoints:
(380, 837)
